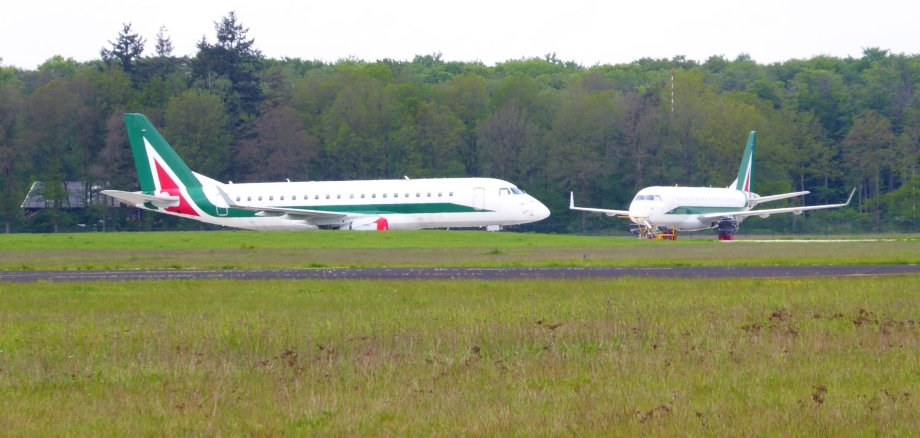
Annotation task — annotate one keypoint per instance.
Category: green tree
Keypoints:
(583, 142)
(357, 128)
(126, 49)
(281, 148)
(681, 152)
(438, 138)
(13, 161)
(233, 57)
(867, 150)
(61, 134)
(825, 94)
(164, 46)
(197, 127)
(509, 144)
(468, 98)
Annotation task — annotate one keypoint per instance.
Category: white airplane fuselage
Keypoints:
(406, 204)
(682, 207)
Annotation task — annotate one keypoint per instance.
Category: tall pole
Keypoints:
(672, 93)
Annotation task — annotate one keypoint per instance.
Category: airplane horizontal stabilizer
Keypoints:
(780, 196)
(138, 198)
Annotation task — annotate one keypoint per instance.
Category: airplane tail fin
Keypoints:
(159, 167)
(745, 180)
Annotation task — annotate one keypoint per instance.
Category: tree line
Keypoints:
(824, 124)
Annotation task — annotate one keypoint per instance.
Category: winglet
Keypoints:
(571, 199)
(851, 197)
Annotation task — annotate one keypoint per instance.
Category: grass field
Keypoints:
(242, 249)
(676, 357)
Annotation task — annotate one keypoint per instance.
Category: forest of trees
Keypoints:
(825, 124)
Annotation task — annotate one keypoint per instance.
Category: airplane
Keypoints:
(660, 212)
(169, 186)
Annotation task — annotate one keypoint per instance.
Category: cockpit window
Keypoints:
(647, 198)
(510, 191)
(503, 191)
(517, 191)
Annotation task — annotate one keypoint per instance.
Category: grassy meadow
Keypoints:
(245, 249)
(588, 357)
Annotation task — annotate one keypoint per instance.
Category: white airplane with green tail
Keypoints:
(660, 212)
(169, 186)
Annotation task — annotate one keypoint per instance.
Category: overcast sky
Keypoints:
(490, 31)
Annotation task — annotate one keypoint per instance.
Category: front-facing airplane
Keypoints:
(169, 186)
(663, 211)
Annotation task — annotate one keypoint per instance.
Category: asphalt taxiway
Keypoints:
(461, 273)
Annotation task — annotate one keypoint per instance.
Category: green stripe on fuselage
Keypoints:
(703, 210)
(414, 208)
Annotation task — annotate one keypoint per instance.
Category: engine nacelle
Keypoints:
(370, 224)
(727, 227)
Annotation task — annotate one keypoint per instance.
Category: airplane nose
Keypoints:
(639, 211)
(540, 211)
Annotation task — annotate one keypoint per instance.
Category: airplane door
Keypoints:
(479, 198)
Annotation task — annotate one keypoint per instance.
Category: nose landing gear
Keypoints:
(647, 231)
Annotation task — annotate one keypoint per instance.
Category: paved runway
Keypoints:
(460, 273)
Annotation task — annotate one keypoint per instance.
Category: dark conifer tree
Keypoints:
(232, 57)
(126, 49)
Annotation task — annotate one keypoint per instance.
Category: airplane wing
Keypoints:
(763, 199)
(595, 210)
(138, 198)
(768, 212)
(294, 213)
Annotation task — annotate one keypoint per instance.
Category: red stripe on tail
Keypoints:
(167, 185)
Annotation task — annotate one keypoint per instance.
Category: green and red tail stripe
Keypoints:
(745, 180)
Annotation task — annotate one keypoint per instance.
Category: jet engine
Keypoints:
(727, 226)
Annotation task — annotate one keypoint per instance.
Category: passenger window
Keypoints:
(237, 199)
(384, 195)
(249, 198)
(260, 198)
(327, 196)
(338, 196)
(351, 196)
(418, 195)
(429, 194)
(440, 194)
(450, 194)
(282, 198)
(374, 195)
(362, 196)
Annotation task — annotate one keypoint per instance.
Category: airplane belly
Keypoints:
(691, 222)
(684, 222)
